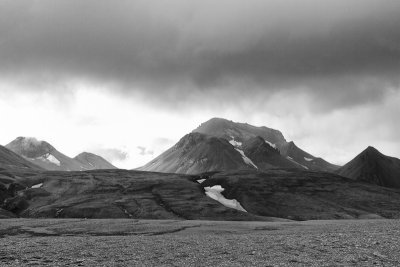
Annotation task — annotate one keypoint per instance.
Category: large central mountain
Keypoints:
(220, 145)
(371, 166)
(47, 157)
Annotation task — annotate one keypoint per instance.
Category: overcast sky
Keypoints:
(127, 79)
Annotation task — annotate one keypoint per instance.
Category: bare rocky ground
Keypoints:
(128, 242)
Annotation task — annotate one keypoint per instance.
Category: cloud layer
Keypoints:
(346, 50)
(132, 77)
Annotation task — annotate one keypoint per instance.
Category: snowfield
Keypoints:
(37, 185)
(235, 143)
(214, 192)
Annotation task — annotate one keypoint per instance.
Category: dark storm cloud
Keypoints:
(341, 51)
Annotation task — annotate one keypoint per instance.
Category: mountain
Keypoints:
(95, 161)
(196, 153)
(242, 131)
(304, 159)
(47, 157)
(10, 160)
(222, 145)
(264, 155)
(373, 167)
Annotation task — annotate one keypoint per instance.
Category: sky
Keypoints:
(127, 79)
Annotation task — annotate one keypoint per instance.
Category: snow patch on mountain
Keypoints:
(200, 180)
(292, 160)
(235, 143)
(37, 185)
(214, 192)
(271, 144)
(308, 159)
(53, 159)
(246, 159)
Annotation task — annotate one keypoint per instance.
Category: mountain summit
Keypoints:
(220, 144)
(373, 167)
(47, 157)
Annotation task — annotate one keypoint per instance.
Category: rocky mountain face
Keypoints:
(371, 166)
(47, 157)
(95, 161)
(258, 148)
(11, 160)
(197, 153)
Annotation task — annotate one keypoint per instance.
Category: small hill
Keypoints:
(94, 161)
(372, 166)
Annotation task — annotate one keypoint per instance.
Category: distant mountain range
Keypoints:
(221, 145)
(243, 173)
(44, 155)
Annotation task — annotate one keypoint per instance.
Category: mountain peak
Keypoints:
(30, 147)
(374, 167)
(372, 149)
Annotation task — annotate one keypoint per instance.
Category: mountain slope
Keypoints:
(304, 159)
(47, 157)
(11, 160)
(242, 131)
(265, 156)
(196, 153)
(373, 167)
(90, 159)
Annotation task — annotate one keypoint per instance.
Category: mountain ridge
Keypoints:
(47, 157)
(265, 145)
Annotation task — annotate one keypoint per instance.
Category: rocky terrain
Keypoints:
(242, 195)
(372, 166)
(125, 242)
(222, 145)
(47, 157)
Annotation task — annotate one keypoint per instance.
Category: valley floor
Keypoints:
(124, 242)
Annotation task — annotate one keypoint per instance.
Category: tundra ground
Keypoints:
(128, 242)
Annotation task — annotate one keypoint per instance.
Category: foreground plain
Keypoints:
(129, 242)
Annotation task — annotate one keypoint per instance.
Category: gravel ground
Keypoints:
(123, 242)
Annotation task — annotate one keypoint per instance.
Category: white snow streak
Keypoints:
(292, 160)
(201, 180)
(37, 185)
(214, 192)
(271, 144)
(246, 159)
(308, 159)
(235, 143)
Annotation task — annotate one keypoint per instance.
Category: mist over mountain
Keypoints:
(44, 155)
